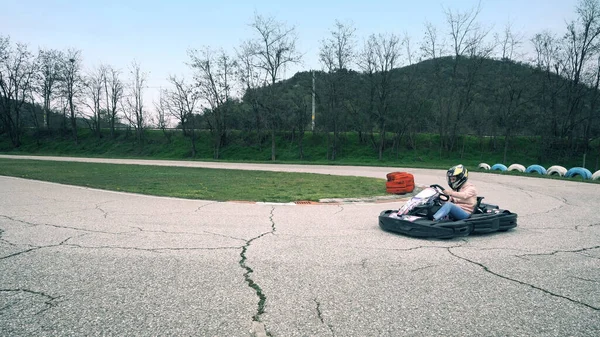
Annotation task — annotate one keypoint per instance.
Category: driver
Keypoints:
(463, 195)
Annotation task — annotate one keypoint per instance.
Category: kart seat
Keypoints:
(477, 209)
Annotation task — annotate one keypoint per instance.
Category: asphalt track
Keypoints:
(83, 262)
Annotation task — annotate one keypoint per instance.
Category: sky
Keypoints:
(158, 34)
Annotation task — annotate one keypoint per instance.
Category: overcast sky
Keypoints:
(158, 34)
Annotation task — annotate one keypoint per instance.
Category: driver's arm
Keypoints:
(467, 193)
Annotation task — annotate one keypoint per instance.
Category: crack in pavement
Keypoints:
(225, 236)
(81, 210)
(88, 231)
(62, 243)
(562, 200)
(6, 307)
(31, 224)
(210, 203)
(49, 302)
(590, 256)
(559, 251)
(588, 225)
(487, 270)
(139, 229)
(415, 248)
(262, 298)
(524, 190)
(85, 230)
(320, 315)
(341, 209)
(7, 242)
(426, 267)
(101, 210)
(584, 279)
(19, 253)
(494, 248)
(152, 250)
(542, 229)
(17, 220)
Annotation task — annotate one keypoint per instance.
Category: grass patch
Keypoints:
(197, 183)
(424, 151)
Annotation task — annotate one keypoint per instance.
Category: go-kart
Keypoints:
(415, 217)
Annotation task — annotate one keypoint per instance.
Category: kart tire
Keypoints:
(516, 167)
(596, 175)
(498, 167)
(556, 170)
(483, 166)
(536, 169)
(578, 171)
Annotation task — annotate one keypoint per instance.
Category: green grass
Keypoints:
(197, 183)
(245, 147)
(262, 186)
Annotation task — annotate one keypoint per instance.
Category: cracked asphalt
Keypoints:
(77, 261)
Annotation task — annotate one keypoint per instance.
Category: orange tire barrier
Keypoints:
(399, 176)
(400, 183)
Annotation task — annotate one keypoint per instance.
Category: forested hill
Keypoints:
(451, 97)
(504, 94)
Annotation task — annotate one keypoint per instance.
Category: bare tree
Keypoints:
(250, 79)
(470, 50)
(299, 102)
(214, 76)
(549, 60)
(381, 56)
(338, 50)
(511, 96)
(465, 32)
(113, 88)
(431, 46)
(134, 101)
(509, 43)
(95, 85)
(31, 105)
(336, 54)
(413, 110)
(581, 45)
(593, 116)
(163, 114)
(367, 63)
(49, 65)
(547, 51)
(274, 48)
(72, 85)
(16, 76)
(182, 102)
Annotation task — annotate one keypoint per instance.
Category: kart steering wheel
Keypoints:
(440, 190)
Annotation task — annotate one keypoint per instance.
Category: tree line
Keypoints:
(459, 79)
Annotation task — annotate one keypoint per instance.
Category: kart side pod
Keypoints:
(497, 221)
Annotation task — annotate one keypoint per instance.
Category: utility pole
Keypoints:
(313, 101)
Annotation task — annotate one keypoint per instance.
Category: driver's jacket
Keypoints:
(465, 197)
